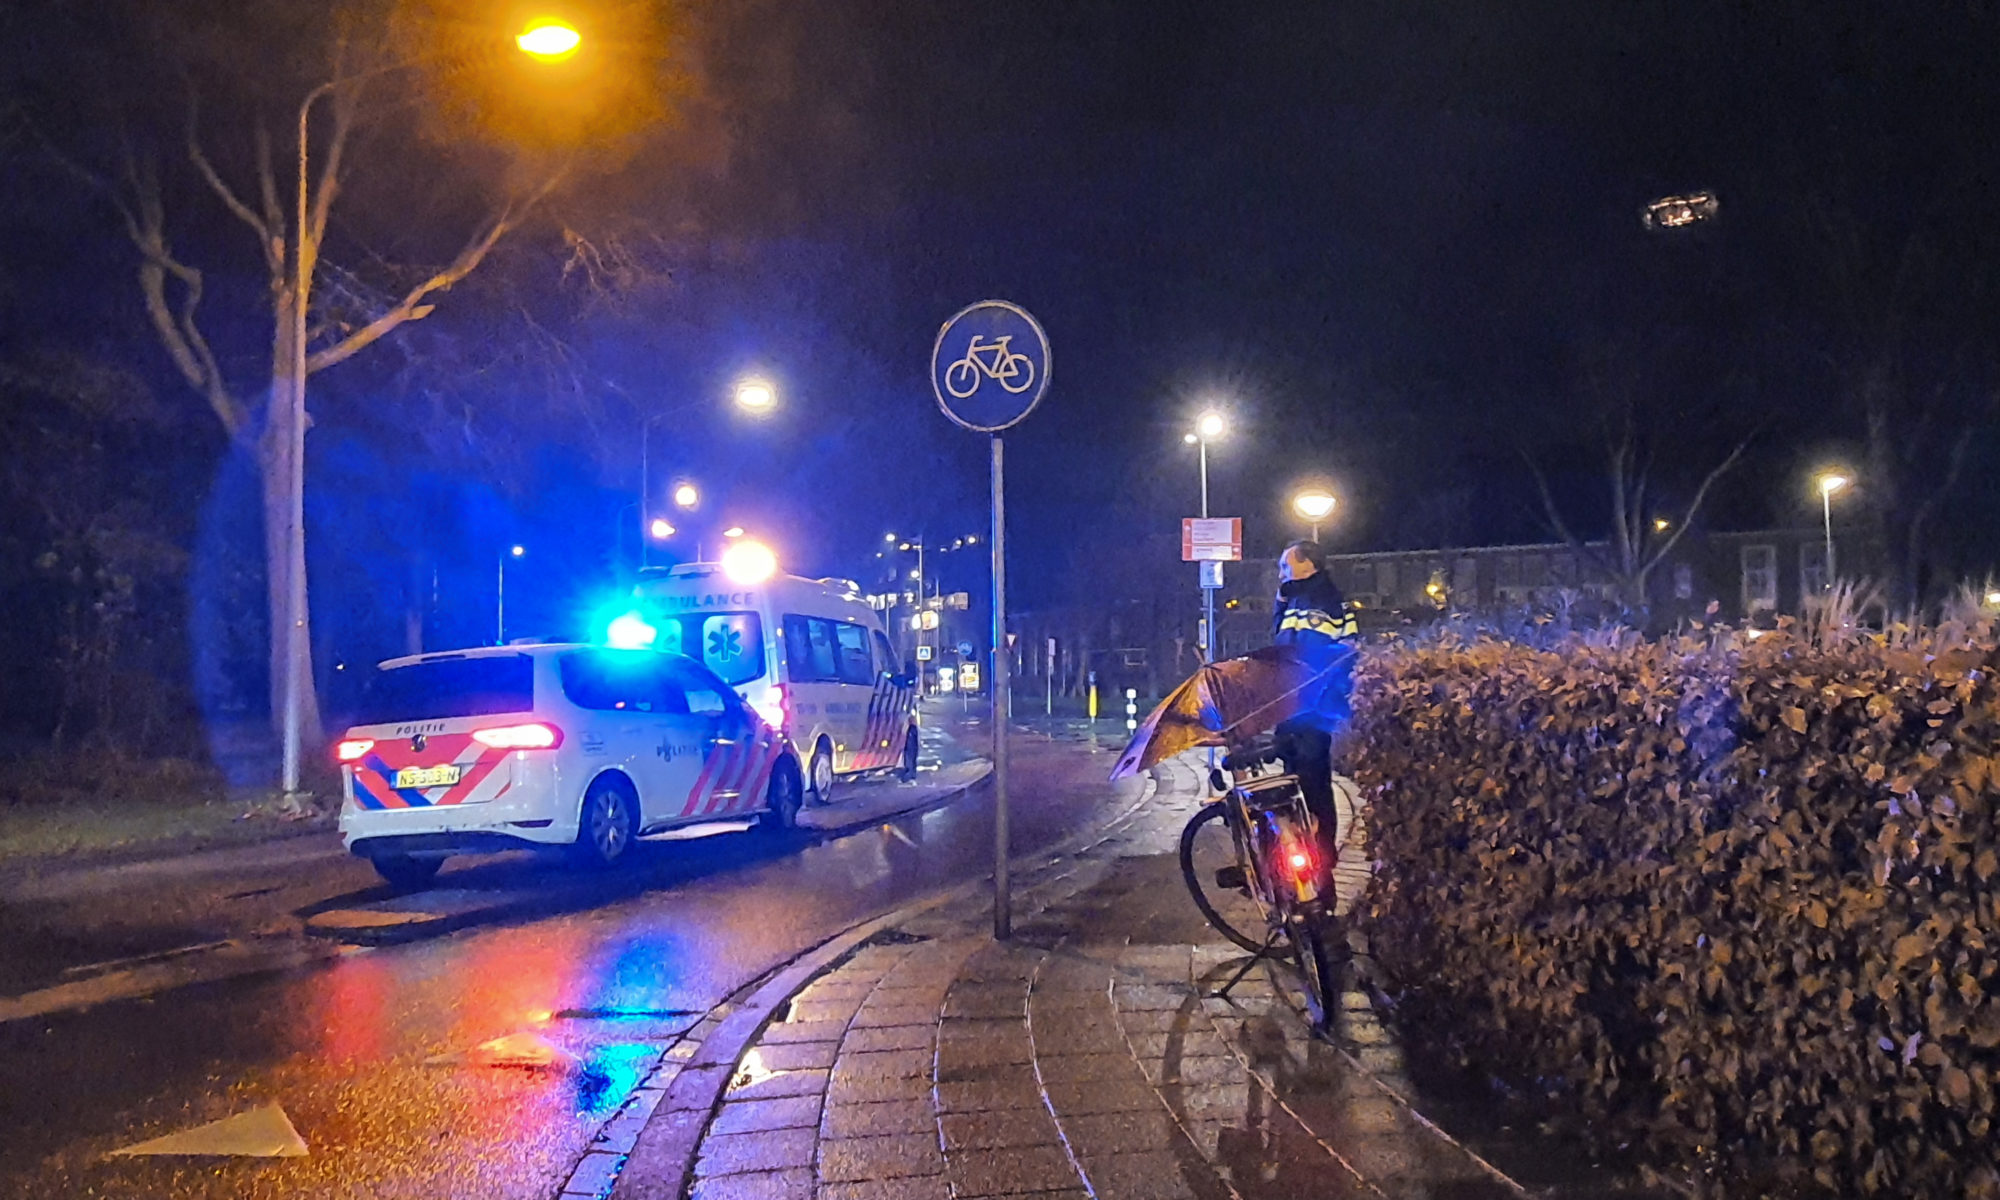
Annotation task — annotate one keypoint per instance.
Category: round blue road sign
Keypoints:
(990, 366)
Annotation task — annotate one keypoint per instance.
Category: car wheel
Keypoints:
(404, 873)
(910, 751)
(783, 797)
(607, 823)
(820, 777)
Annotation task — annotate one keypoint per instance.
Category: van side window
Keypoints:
(857, 664)
(811, 650)
(885, 658)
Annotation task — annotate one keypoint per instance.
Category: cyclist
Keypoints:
(1311, 615)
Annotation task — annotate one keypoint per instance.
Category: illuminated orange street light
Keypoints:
(549, 39)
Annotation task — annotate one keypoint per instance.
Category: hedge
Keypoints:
(1734, 898)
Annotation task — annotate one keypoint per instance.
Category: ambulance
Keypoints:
(808, 655)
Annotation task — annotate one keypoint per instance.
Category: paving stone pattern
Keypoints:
(1085, 1058)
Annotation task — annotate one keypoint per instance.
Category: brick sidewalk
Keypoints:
(1085, 1058)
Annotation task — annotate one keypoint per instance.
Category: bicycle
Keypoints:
(962, 378)
(1278, 866)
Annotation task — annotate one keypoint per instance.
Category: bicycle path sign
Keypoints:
(990, 366)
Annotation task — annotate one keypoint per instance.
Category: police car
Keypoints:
(808, 654)
(585, 747)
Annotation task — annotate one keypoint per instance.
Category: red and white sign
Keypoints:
(1211, 539)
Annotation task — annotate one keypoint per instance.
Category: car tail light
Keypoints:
(532, 736)
(353, 748)
(772, 706)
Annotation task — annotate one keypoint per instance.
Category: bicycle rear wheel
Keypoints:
(1318, 942)
(1191, 875)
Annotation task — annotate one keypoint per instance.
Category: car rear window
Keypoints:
(439, 688)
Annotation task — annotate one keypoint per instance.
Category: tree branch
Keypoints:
(344, 102)
(268, 238)
(1694, 506)
(412, 307)
(1561, 527)
(177, 329)
(267, 187)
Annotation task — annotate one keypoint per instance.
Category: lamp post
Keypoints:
(500, 594)
(1314, 505)
(546, 40)
(1209, 425)
(1829, 482)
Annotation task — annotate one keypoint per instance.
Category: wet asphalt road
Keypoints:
(346, 1046)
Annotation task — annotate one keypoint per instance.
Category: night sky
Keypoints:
(1399, 244)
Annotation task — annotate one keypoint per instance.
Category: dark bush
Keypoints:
(1737, 900)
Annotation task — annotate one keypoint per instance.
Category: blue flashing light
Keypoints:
(631, 632)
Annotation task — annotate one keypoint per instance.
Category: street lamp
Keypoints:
(1207, 426)
(1829, 482)
(549, 40)
(1315, 505)
(661, 529)
(546, 40)
(733, 532)
(753, 395)
(500, 594)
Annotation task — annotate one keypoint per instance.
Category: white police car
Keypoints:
(588, 747)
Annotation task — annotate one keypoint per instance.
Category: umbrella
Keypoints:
(1222, 704)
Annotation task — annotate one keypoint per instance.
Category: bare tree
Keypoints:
(1916, 403)
(1644, 526)
(345, 310)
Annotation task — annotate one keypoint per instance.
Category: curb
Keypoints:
(669, 1147)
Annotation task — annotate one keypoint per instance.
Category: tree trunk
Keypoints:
(283, 555)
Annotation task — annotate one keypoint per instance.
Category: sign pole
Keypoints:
(990, 367)
(1003, 707)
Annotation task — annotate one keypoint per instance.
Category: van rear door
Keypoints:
(420, 721)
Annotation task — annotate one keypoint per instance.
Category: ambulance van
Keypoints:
(807, 654)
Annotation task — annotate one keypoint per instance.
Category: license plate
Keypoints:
(427, 777)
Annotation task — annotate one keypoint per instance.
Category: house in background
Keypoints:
(1750, 577)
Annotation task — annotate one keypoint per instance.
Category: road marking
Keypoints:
(264, 1132)
(229, 960)
(524, 1050)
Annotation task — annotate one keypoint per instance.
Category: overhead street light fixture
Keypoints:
(1314, 504)
(686, 495)
(754, 395)
(549, 39)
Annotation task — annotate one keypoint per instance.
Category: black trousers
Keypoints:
(1308, 754)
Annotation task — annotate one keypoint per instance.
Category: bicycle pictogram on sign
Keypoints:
(990, 365)
(1015, 372)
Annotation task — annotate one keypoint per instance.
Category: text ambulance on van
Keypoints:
(808, 654)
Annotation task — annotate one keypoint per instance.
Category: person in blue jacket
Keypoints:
(1311, 616)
